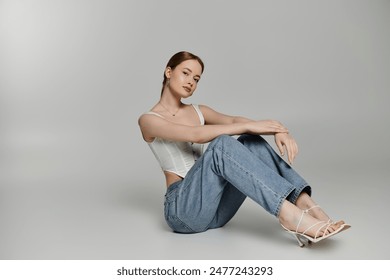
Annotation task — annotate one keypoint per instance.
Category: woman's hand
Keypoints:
(265, 127)
(286, 142)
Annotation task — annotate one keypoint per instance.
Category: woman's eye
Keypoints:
(185, 73)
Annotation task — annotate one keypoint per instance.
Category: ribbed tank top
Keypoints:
(176, 157)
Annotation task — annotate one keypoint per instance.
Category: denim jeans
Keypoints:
(229, 171)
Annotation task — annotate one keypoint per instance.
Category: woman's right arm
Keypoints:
(153, 126)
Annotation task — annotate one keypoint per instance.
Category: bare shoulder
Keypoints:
(147, 124)
(144, 119)
(212, 116)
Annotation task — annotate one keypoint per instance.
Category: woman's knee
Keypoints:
(222, 140)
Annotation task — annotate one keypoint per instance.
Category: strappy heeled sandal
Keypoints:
(344, 225)
(316, 238)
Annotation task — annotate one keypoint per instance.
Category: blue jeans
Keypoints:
(229, 171)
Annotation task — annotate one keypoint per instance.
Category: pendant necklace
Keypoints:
(170, 111)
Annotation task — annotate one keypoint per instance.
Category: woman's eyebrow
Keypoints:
(191, 71)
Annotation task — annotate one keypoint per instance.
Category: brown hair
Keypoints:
(178, 58)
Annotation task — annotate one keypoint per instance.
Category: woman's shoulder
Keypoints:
(151, 112)
(148, 117)
(146, 120)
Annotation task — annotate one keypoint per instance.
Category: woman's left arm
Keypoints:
(284, 141)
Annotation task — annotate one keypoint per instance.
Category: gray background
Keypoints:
(77, 181)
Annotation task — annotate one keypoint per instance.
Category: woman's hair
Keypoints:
(178, 58)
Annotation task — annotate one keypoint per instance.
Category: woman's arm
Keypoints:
(217, 124)
(153, 126)
(284, 141)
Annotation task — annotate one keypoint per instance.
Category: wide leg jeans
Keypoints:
(229, 171)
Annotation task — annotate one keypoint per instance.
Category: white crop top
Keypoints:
(176, 157)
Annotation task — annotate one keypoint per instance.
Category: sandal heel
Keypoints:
(301, 244)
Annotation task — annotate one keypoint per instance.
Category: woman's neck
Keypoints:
(170, 100)
(170, 103)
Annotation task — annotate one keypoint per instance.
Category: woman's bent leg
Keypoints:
(225, 163)
(263, 150)
(229, 204)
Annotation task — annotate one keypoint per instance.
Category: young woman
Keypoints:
(206, 186)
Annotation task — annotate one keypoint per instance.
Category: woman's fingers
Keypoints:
(286, 142)
(291, 155)
(276, 127)
(266, 127)
(293, 150)
(280, 147)
(290, 151)
(279, 126)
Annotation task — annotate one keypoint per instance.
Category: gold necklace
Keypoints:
(170, 111)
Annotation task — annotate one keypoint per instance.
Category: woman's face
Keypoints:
(184, 78)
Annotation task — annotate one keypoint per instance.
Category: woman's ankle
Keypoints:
(287, 214)
(304, 201)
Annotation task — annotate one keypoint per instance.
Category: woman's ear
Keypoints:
(168, 72)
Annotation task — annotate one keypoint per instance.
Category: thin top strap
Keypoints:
(154, 113)
(199, 112)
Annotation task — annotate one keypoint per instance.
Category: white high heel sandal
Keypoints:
(316, 238)
(344, 225)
